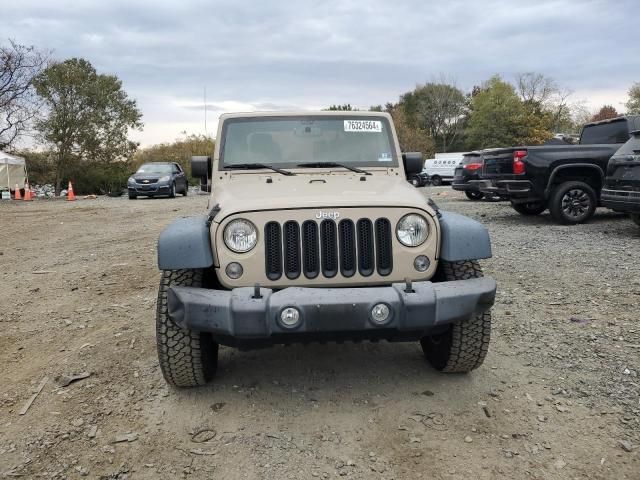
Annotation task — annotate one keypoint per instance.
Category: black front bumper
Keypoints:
(150, 189)
(621, 200)
(236, 316)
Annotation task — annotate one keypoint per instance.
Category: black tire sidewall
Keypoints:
(436, 181)
(474, 196)
(555, 204)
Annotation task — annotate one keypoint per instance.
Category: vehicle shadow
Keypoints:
(315, 373)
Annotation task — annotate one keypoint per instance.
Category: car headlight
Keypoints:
(240, 235)
(412, 230)
(166, 178)
(131, 180)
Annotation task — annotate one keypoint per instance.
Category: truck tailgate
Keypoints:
(497, 162)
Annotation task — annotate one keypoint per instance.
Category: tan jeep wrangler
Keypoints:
(314, 234)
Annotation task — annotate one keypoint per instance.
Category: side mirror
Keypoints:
(201, 167)
(413, 162)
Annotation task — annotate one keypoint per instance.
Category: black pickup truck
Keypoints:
(621, 190)
(566, 179)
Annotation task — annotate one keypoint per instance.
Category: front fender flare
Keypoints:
(463, 238)
(185, 243)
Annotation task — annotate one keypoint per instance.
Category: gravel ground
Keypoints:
(558, 396)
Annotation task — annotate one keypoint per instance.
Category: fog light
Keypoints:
(234, 270)
(421, 263)
(290, 317)
(380, 313)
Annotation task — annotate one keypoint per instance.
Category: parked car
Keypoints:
(621, 190)
(420, 179)
(566, 179)
(296, 250)
(467, 171)
(442, 168)
(158, 178)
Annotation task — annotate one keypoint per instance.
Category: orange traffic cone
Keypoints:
(17, 195)
(70, 195)
(28, 196)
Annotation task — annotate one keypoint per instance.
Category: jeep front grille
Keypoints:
(328, 248)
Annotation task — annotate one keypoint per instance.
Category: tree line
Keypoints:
(439, 117)
(79, 120)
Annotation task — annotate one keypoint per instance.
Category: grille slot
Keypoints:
(329, 248)
(273, 250)
(291, 232)
(384, 252)
(365, 247)
(347, 248)
(310, 249)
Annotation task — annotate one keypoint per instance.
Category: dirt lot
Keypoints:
(558, 396)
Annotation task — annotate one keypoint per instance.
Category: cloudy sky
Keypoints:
(285, 54)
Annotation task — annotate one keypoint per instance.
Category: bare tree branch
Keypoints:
(19, 104)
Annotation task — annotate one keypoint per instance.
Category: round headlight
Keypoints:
(240, 235)
(412, 230)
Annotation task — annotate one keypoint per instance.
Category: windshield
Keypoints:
(154, 168)
(289, 141)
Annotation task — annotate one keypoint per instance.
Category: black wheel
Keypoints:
(132, 196)
(464, 345)
(636, 218)
(572, 203)
(187, 358)
(415, 181)
(186, 189)
(436, 181)
(529, 208)
(172, 192)
(474, 195)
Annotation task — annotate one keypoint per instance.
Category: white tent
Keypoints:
(13, 170)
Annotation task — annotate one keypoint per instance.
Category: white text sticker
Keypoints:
(362, 126)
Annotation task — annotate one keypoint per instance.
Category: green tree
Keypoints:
(633, 104)
(411, 138)
(500, 118)
(88, 115)
(438, 108)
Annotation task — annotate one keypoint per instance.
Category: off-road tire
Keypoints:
(187, 358)
(636, 218)
(557, 205)
(474, 195)
(529, 208)
(436, 181)
(464, 345)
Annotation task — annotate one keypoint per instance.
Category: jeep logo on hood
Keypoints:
(333, 215)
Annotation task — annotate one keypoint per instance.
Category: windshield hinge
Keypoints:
(212, 213)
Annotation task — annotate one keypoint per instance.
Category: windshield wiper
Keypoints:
(333, 164)
(256, 166)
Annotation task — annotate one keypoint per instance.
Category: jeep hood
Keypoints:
(266, 192)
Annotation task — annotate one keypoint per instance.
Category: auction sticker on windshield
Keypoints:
(363, 126)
